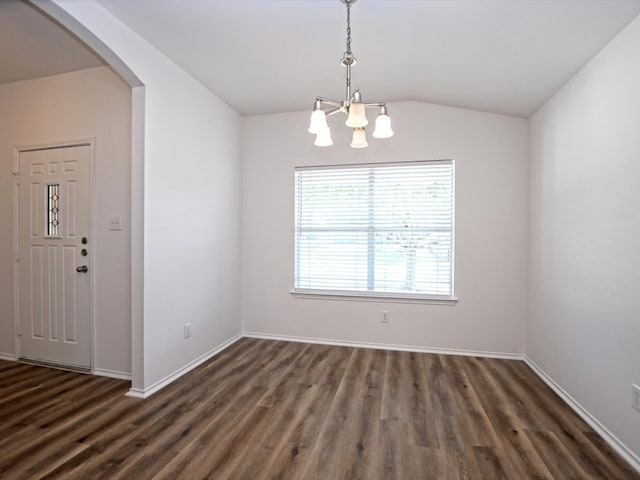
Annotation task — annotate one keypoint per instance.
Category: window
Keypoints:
(52, 195)
(375, 230)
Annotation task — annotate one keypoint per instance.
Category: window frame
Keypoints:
(380, 296)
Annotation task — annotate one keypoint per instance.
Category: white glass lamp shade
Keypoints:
(323, 138)
(359, 139)
(318, 121)
(383, 127)
(357, 117)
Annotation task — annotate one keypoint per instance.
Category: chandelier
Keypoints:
(352, 105)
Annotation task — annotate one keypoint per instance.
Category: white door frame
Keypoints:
(16, 236)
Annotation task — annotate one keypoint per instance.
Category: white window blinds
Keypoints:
(377, 229)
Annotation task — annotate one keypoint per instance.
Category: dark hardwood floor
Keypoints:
(278, 410)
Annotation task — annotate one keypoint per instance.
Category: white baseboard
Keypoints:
(608, 437)
(8, 357)
(102, 372)
(385, 346)
(147, 392)
(136, 393)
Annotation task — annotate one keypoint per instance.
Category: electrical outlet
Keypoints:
(635, 397)
(384, 316)
(187, 330)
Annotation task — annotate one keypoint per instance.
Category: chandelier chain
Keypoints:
(349, 30)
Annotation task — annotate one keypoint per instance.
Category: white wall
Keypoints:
(93, 103)
(191, 218)
(490, 152)
(584, 321)
(186, 190)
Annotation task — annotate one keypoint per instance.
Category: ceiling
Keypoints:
(33, 46)
(267, 56)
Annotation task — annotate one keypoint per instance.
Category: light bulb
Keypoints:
(357, 117)
(359, 139)
(318, 119)
(383, 127)
(323, 138)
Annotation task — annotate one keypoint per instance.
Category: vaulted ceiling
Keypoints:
(266, 56)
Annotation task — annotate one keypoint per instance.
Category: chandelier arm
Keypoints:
(334, 111)
(378, 104)
(328, 101)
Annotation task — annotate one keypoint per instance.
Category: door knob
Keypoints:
(82, 269)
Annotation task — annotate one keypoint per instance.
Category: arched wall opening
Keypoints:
(186, 202)
(61, 17)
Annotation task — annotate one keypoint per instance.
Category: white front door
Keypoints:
(53, 255)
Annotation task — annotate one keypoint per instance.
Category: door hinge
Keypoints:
(16, 175)
(17, 256)
(18, 331)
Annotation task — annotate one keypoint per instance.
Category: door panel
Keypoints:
(54, 217)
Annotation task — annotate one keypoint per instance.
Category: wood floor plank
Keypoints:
(268, 410)
(387, 460)
(475, 424)
(35, 401)
(225, 428)
(291, 459)
(177, 418)
(273, 417)
(603, 459)
(449, 428)
(548, 446)
(395, 401)
(338, 439)
(490, 464)
(422, 426)
(534, 388)
(518, 451)
(15, 384)
(540, 407)
(33, 448)
(262, 439)
(365, 440)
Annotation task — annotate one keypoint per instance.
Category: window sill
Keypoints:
(372, 297)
